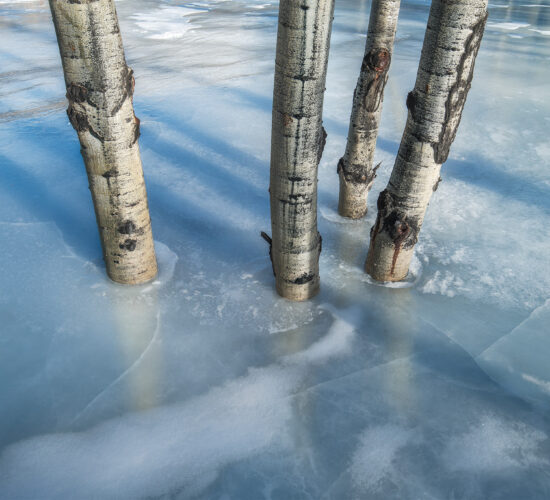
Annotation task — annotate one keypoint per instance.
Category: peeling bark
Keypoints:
(453, 37)
(297, 144)
(355, 168)
(100, 88)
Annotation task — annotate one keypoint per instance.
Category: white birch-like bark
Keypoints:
(297, 143)
(355, 168)
(451, 43)
(100, 87)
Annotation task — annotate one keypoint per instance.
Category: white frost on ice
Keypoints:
(508, 26)
(373, 460)
(494, 445)
(155, 452)
(165, 23)
(543, 384)
(443, 283)
(173, 448)
(166, 260)
(336, 342)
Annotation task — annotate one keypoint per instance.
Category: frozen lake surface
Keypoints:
(203, 383)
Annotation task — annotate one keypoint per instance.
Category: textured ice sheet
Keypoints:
(518, 360)
(203, 383)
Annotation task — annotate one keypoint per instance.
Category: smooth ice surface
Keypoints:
(204, 383)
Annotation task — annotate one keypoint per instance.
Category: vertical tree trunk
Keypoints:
(297, 143)
(355, 168)
(451, 43)
(100, 87)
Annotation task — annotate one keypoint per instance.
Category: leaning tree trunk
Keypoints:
(453, 37)
(297, 143)
(99, 88)
(355, 168)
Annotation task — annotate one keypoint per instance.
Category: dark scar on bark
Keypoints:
(270, 243)
(77, 93)
(411, 103)
(129, 245)
(110, 173)
(436, 185)
(358, 175)
(128, 89)
(80, 123)
(376, 64)
(322, 143)
(377, 59)
(127, 227)
(78, 120)
(454, 104)
(303, 279)
(402, 230)
(137, 130)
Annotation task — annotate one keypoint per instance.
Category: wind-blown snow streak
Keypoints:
(178, 448)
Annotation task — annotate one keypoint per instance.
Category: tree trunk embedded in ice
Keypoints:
(355, 168)
(451, 43)
(297, 143)
(100, 87)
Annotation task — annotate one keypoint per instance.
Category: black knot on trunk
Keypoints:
(303, 279)
(77, 93)
(129, 245)
(402, 230)
(78, 120)
(411, 103)
(377, 59)
(322, 143)
(127, 227)
(385, 201)
(380, 60)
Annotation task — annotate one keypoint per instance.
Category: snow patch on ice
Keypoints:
(165, 23)
(493, 445)
(160, 451)
(167, 261)
(508, 26)
(373, 461)
(443, 283)
(543, 384)
(336, 342)
(543, 150)
(178, 448)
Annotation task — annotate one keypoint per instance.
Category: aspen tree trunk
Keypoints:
(451, 43)
(100, 87)
(355, 168)
(297, 143)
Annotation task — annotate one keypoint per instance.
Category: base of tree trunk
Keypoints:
(297, 276)
(352, 201)
(386, 260)
(298, 293)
